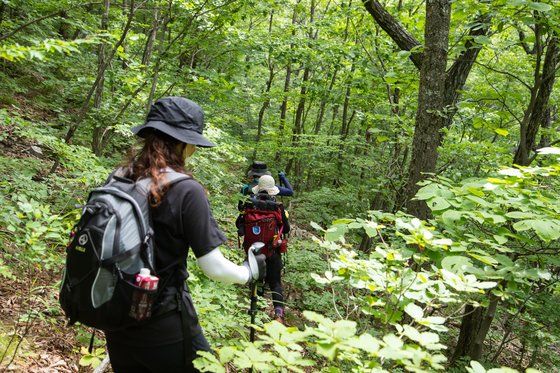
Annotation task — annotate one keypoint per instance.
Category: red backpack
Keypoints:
(261, 221)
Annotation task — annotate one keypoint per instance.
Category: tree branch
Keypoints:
(389, 24)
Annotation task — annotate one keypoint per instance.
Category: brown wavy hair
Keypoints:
(158, 152)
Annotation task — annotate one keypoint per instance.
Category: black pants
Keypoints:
(274, 278)
(154, 359)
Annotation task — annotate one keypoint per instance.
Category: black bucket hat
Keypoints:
(258, 169)
(177, 117)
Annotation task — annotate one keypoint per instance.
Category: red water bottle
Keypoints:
(141, 308)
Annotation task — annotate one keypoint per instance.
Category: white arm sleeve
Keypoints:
(217, 267)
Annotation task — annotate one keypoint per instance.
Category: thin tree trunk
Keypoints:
(150, 40)
(266, 92)
(538, 109)
(300, 110)
(98, 129)
(155, 75)
(287, 84)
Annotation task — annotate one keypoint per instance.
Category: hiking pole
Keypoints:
(253, 250)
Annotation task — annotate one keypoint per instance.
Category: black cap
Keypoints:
(259, 169)
(177, 117)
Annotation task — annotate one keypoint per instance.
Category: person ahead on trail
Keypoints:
(182, 219)
(259, 169)
(261, 203)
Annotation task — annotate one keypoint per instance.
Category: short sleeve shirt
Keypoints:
(183, 220)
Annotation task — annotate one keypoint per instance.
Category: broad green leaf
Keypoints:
(336, 232)
(344, 329)
(501, 131)
(393, 341)
(484, 258)
(520, 215)
(365, 342)
(547, 230)
(456, 263)
(500, 239)
(316, 226)
(438, 203)
(449, 217)
(476, 367)
(479, 200)
(541, 7)
(482, 39)
(414, 311)
(327, 349)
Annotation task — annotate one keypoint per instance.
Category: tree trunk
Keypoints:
(300, 110)
(266, 92)
(150, 40)
(287, 84)
(155, 75)
(538, 109)
(430, 116)
(455, 80)
(98, 129)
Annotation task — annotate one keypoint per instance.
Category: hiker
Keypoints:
(259, 169)
(252, 223)
(182, 219)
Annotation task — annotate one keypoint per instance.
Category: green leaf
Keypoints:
(344, 329)
(316, 226)
(327, 349)
(449, 217)
(438, 203)
(547, 230)
(336, 232)
(414, 311)
(500, 239)
(479, 200)
(366, 342)
(393, 341)
(476, 367)
(484, 259)
(482, 39)
(456, 263)
(541, 7)
(501, 131)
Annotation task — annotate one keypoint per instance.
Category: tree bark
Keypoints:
(430, 115)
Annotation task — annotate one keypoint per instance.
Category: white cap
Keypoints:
(144, 272)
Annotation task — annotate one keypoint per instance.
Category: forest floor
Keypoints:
(33, 335)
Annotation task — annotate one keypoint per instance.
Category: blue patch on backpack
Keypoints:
(256, 230)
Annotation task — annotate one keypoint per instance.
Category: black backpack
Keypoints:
(108, 246)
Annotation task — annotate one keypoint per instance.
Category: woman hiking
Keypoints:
(182, 220)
